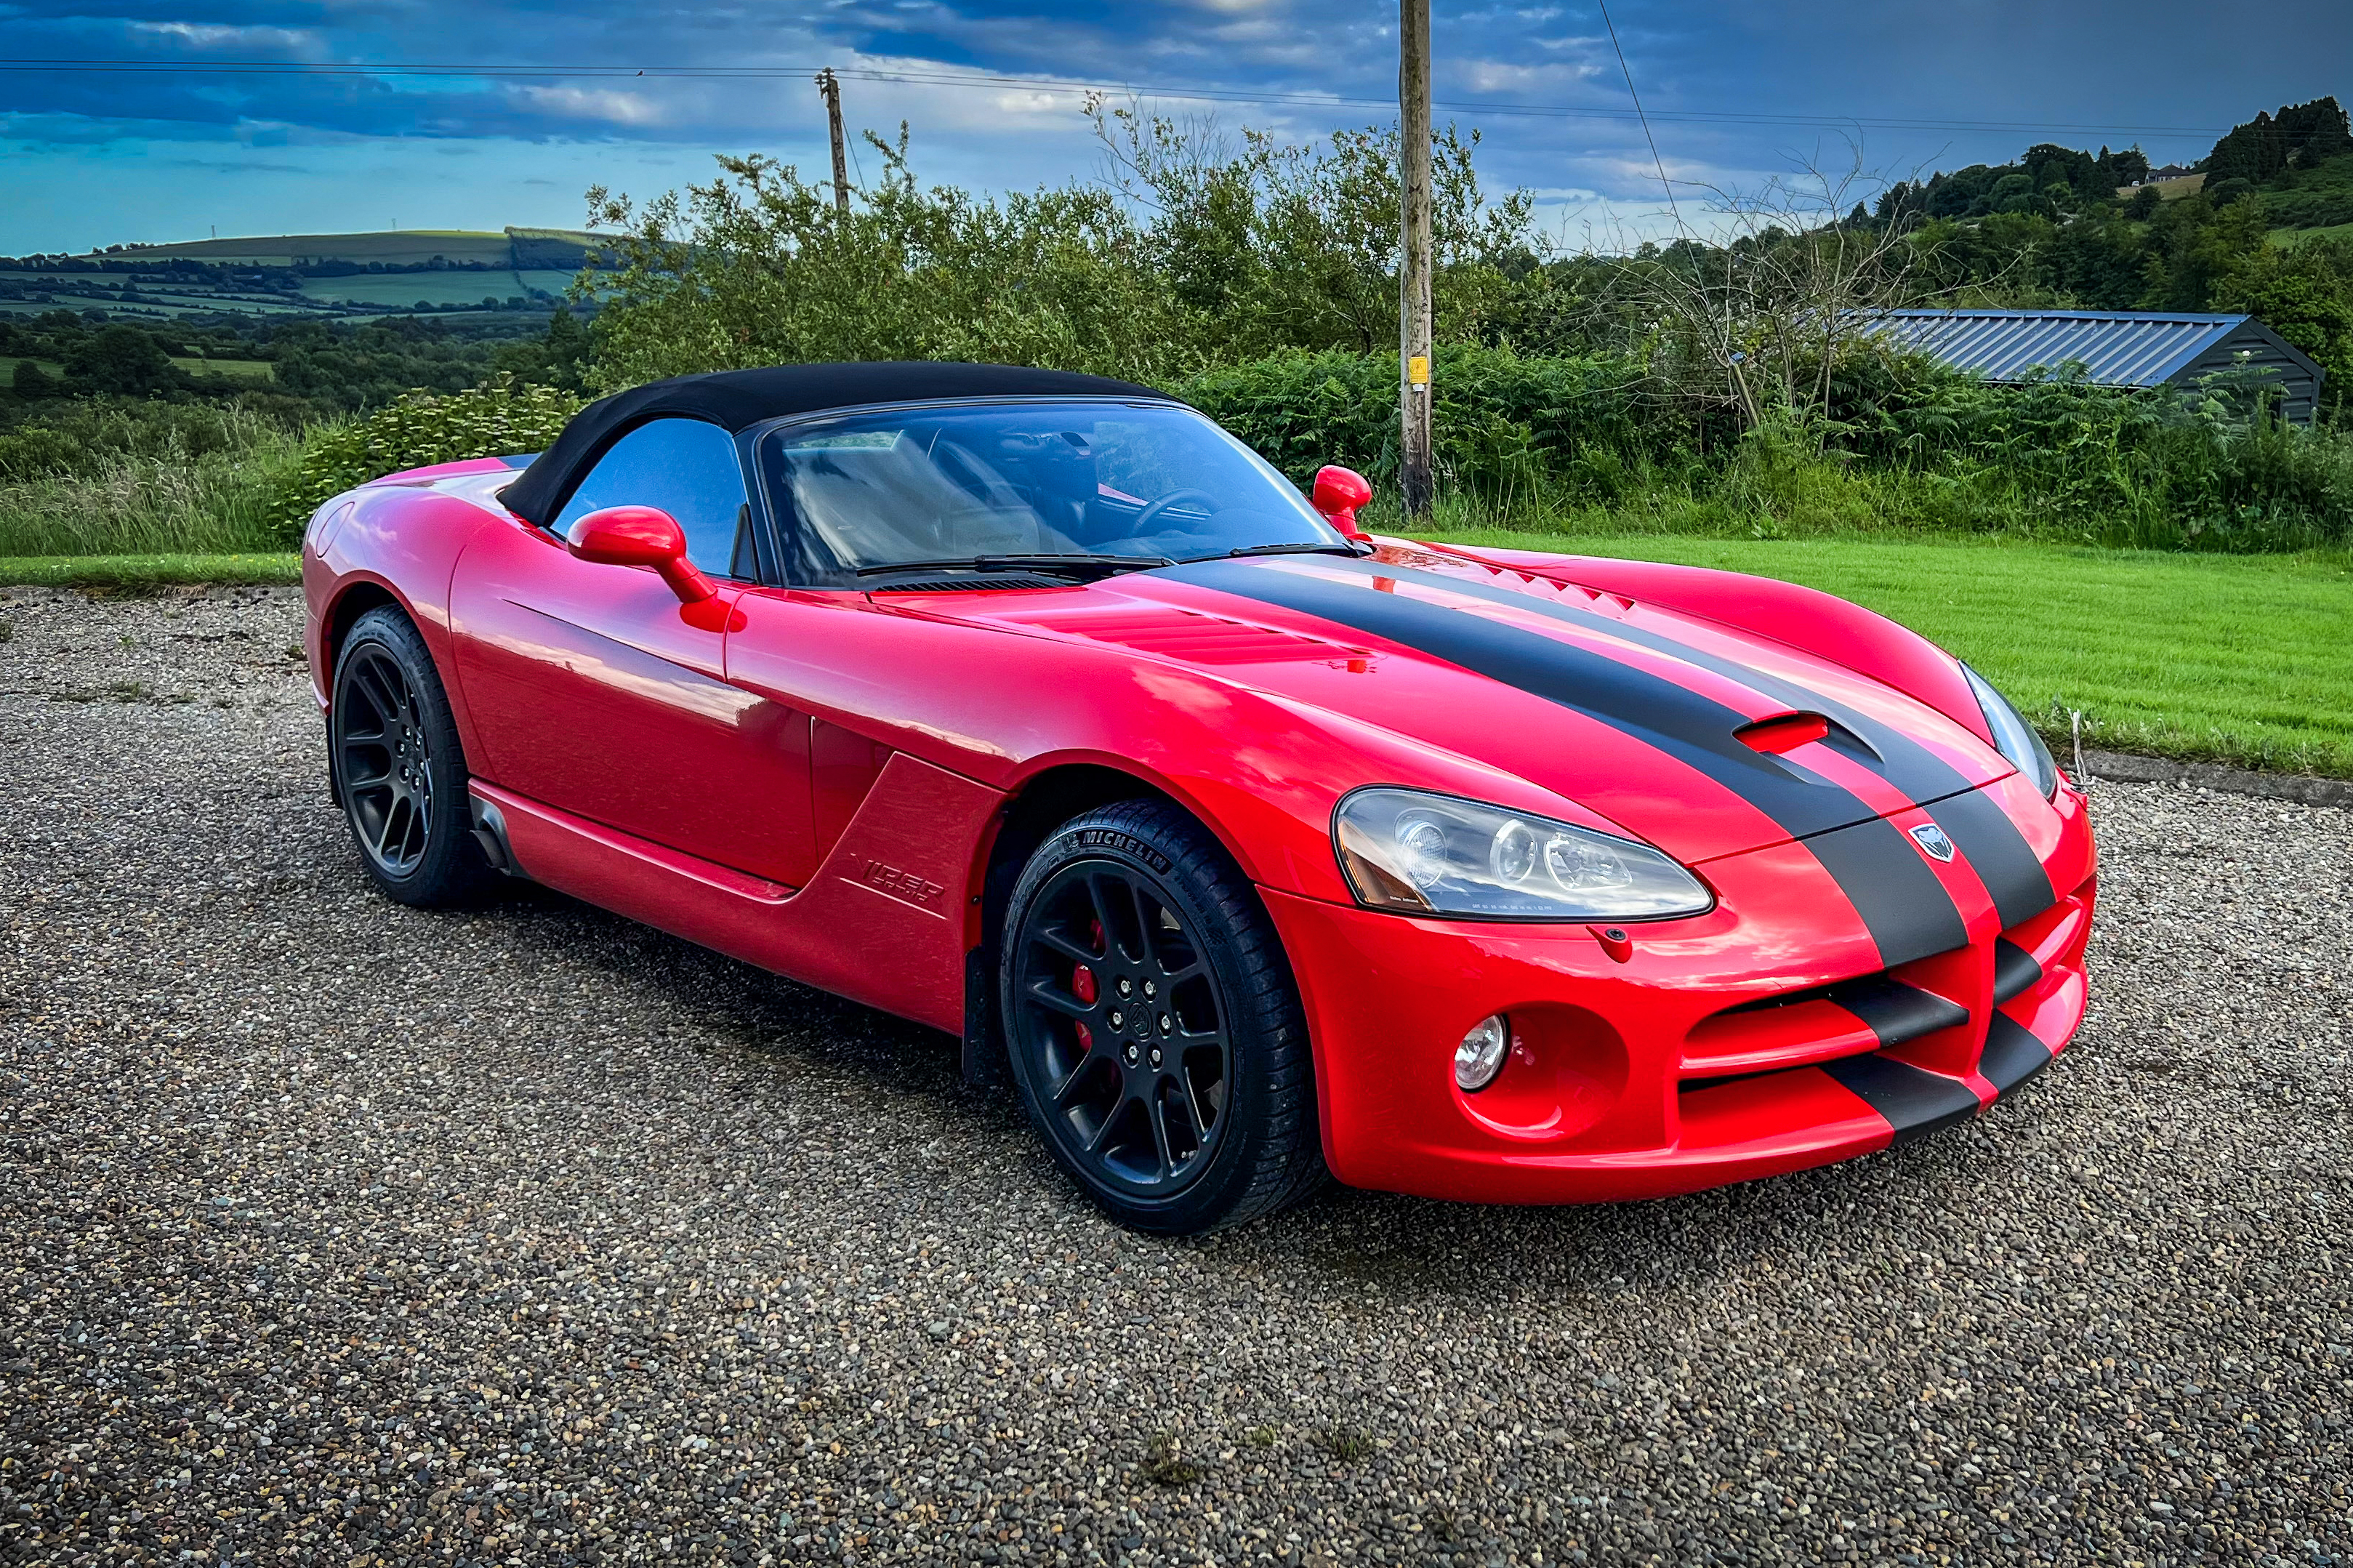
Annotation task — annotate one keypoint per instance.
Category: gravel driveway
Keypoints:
(337, 1232)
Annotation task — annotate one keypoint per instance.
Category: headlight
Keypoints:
(2014, 737)
(1434, 855)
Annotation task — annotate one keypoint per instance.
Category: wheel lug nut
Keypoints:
(1126, 985)
(1150, 989)
(1164, 1022)
(1118, 1020)
(1131, 1056)
(1155, 1055)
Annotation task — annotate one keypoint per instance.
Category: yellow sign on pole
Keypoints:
(1416, 370)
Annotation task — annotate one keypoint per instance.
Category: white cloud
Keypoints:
(593, 103)
(1505, 76)
(222, 35)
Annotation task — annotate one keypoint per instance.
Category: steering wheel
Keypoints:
(1153, 509)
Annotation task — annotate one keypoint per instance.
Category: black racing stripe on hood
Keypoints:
(1898, 896)
(1693, 728)
(1910, 766)
(1992, 843)
(1905, 907)
(1999, 854)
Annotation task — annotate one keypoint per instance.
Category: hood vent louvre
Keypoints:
(980, 583)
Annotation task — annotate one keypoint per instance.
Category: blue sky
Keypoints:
(177, 150)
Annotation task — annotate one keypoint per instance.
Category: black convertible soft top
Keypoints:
(738, 399)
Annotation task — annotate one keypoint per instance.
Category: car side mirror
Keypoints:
(1338, 493)
(640, 536)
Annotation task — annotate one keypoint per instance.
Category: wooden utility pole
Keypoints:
(830, 85)
(1413, 273)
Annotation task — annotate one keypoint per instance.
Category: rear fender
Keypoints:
(396, 542)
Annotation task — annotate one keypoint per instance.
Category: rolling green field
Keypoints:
(272, 275)
(405, 246)
(2231, 658)
(2237, 658)
(396, 290)
(235, 369)
(2294, 237)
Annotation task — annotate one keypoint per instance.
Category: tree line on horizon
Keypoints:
(1189, 247)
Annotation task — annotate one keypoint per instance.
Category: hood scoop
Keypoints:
(1781, 733)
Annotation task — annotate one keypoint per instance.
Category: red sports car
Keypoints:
(1036, 708)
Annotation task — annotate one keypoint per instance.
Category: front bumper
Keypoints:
(1759, 1039)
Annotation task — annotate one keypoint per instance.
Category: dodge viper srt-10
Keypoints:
(1036, 708)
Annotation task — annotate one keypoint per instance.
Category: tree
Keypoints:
(1189, 249)
(758, 268)
(123, 361)
(31, 383)
(558, 357)
(1295, 245)
(1763, 323)
(2304, 293)
(2302, 135)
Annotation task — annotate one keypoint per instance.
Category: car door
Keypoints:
(594, 690)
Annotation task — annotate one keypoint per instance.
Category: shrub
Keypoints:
(1594, 445)
(498, 418)
(1504, 423)
(89, 435)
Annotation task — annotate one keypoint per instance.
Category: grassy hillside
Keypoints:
(405, 246)
(2294, 237)
(254, 370)
(391, 272)
(395, 291)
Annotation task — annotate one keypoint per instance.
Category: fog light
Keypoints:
(1480, 1057)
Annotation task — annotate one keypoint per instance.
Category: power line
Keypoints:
(1664, 183)
(1057, 85)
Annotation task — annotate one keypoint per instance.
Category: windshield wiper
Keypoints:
(1059, 565)
(1301, 549)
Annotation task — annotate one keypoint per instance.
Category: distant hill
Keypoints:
(523, 249)
(390, 272)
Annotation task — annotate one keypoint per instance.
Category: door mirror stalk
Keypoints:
(640, 536)
(1338, 493)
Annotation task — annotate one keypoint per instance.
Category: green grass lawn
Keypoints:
(2235, 659)
(147, 571)
(235, 369)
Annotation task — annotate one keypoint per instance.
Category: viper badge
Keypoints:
(1932, 839)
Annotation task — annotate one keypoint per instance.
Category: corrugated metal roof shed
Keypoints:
(2116, 348)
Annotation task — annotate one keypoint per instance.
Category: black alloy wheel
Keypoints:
(398, 769)
(383, 752)
(1153, 1025)
(1127, 1026)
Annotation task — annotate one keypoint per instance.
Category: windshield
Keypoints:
(859, 492)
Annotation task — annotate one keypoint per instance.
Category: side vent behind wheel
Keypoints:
(490, 833)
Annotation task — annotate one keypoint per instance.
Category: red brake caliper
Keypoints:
(1082, 986)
